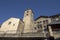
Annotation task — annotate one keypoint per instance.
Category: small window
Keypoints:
(35, 28)
(13, 24)
(44, 22)
(9, 23)
(37, 22)
(40, 22)
(27, 14)
(45, 28)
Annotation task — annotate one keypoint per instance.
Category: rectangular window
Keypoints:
(40, 21)
(44, 22)
(37, 22)
(9, 23)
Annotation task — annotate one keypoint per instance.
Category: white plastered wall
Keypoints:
(10, 25)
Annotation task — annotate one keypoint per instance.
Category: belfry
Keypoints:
(28, 21)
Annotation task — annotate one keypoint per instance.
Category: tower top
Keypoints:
(28, 10)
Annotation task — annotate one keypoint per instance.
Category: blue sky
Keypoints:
(16, 8)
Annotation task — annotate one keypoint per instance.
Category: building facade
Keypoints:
(28, 27)
(12, 25)
(55, 25)
(42, 22)
(49, 23)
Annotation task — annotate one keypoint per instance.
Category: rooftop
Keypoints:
(42, 17)
(55, 15)
(48, 16)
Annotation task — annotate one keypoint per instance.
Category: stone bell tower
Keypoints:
(28, 21)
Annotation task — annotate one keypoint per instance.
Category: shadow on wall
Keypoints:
(50, 38)
(21, 38)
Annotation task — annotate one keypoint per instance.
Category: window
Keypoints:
(43, 22)
(40, 22)
(45, 28)
(37, 22)
(27, 14)
(35, 28)
(9, 23)
(39, 26)
(13, 24)
(46, 21)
